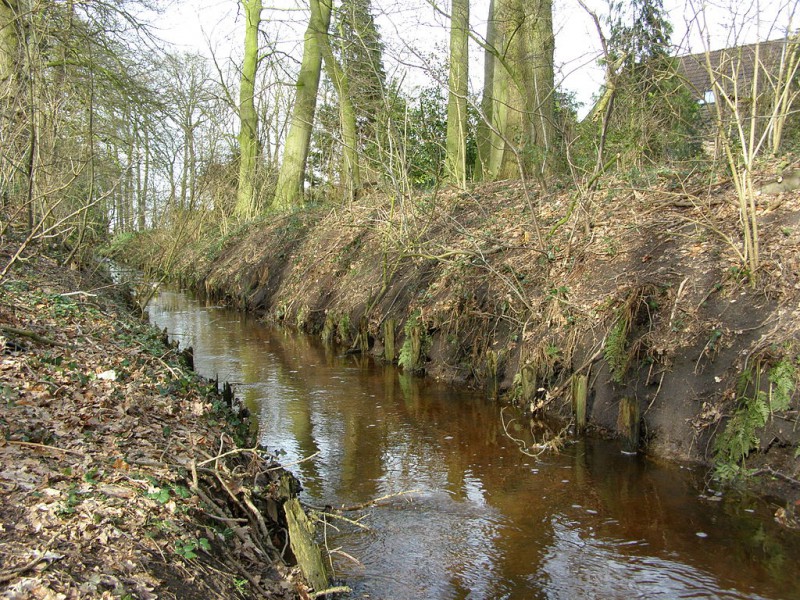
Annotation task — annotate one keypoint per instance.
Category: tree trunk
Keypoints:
(9, 45)
(523, 105)
(350, 176)
(248, 118)
(457, 94)
(484, 134)
(289, 191)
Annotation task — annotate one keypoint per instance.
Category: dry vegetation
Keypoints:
(121, 473)
(642, 288)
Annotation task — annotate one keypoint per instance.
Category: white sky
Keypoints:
(196, 25)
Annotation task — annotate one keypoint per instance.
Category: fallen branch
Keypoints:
(778, 474)
(31, 335)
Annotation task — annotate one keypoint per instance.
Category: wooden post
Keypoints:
(301, 537)
(363, 335)
(628, 425)
(492, 385)
(416, 346)
(388, 340)
(328, 328)
(528, 381)
(580, 390)
(227, 394)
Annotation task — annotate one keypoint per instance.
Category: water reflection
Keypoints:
(487, 521)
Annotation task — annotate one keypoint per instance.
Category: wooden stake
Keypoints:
(388, 340)
(492, 385)
(628, 425)
(579, 393)
(528, 377)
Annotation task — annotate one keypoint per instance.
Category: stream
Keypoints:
(484, 520)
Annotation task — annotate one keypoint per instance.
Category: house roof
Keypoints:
(731, 65)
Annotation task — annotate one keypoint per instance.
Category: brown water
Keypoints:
(486, 521)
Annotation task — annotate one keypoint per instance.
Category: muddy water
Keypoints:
(485, 520)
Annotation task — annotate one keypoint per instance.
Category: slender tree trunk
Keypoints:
(484, 134)
(350, 176)
(142, 204)
(248, 131)
(289, 192)
(457, 94)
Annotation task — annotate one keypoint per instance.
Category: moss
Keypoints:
(615, 350)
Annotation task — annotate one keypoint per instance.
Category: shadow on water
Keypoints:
(486, 521)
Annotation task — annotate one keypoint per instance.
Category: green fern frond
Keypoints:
(782, 378)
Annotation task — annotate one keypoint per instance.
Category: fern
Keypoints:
(782, 378)
(416, 344)
(740, 436)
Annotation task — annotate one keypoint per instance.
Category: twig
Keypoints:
(345, 519)
(364, 505)
(255, 450)
(677, 299)
(339, 589)
(291, 464)
(778, 474)
(9, 575)
(44, 446)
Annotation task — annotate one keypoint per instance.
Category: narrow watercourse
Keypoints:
(482, 520)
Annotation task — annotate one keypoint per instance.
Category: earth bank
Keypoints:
(642, 290)
(122, 473)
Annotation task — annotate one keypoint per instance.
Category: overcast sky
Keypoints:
(413, 32)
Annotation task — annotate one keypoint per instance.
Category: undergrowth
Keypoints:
(754, 408)
(416, 344)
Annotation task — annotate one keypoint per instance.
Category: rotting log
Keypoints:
(580, 390)
(301, 538)
(628, 425)
(388, 340)
(304, 548)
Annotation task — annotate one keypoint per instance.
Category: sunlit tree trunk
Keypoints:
(457, 96)
(350, 176)
(484, 134)
(248, 118)
(521, 142)
(289, 191)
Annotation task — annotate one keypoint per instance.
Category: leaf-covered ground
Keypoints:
(120, 470)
